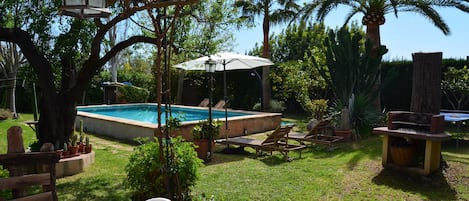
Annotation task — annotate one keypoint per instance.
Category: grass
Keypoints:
(351, 172)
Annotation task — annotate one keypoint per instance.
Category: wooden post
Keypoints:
(15, 145)
(426, 82)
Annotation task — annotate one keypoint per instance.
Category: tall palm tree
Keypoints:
(273, 13)
(374, 12)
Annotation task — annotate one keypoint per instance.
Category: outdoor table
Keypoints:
(432, 148)
(455, 117)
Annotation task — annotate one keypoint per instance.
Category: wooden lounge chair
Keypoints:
(220, 104)
(203, 103)
(316, 135)
(276, 141)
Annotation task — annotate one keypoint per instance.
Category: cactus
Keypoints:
(65, 147)
(81, 138)
(74, 139)
(87, 141)
(81, 128)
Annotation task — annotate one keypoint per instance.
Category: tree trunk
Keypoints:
(372, 34)
(13, 96)
(266, 91)
(426, 82)
(56, 120)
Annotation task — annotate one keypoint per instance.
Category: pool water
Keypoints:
(148, 113)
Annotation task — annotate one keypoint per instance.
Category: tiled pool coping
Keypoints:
(129, 129)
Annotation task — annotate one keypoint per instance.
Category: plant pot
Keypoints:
(402, 155)
(202, 148)
(346, 134)
(81, 148)
(88, 148)
(73, 150)
(60, 152)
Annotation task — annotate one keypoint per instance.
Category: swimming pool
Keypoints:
(148, 112)
(127, 121)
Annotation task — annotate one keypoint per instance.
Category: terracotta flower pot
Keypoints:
(73, 150)
(88, 148)
(81, 148)
(203, 148)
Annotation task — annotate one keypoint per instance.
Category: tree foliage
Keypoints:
(455, 87)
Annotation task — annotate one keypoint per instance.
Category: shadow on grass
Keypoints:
(434, 186)
(92, 189)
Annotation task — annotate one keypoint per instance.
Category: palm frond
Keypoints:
(430, 13)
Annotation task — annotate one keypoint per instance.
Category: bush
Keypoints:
(144, 170)
(132, 94)
(4, 114)
(203, 130)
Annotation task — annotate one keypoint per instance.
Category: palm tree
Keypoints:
(285, 12)
(374, 11)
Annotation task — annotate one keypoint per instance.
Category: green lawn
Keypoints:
(351, 172)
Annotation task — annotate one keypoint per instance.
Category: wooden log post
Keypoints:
(48, 167)
(426, 82)
(15, 145)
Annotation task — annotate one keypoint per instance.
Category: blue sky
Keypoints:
(407, 34)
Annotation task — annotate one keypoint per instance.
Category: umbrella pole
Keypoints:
(225, 98)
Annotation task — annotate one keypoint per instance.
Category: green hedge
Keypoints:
(132, 94)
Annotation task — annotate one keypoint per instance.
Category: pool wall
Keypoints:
(129, 129)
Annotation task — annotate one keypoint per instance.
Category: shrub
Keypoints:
(4, 114)
(317, 108)
(145, 172)
(277, 106)
(132, 94)
(203, 130)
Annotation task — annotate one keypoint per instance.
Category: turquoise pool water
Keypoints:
(148, 112)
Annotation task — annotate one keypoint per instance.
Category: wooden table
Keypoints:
(432, 148)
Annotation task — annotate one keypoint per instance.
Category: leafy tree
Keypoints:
(455, 87)
(11, 60)
(64, 64)
(298, 50)
(296, 40)
(285, 11)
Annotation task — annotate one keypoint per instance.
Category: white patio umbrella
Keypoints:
(226, 61)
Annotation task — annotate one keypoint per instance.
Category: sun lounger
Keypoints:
(220, 104)
(203, 103)
(316, 135)
(276, 141)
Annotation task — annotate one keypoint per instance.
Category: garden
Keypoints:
(53, 61)
(351, 172)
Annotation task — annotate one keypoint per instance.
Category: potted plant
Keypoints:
(81, 144)
(343, 128)
(73, 147)
(402, 151)
(88, 145)
(203, 134)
